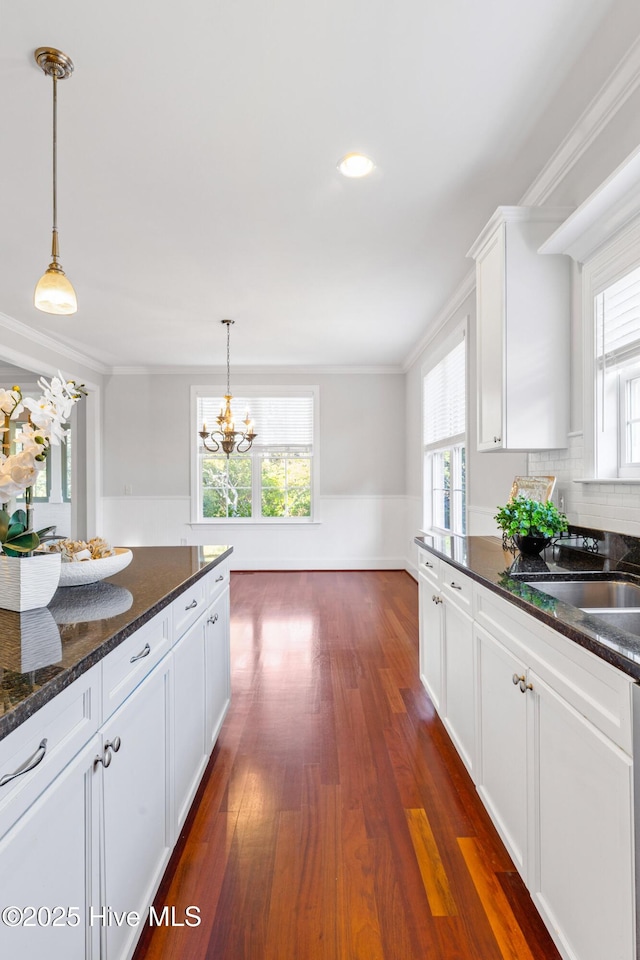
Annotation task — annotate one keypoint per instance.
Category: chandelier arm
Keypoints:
(249, 444)
(216, 445)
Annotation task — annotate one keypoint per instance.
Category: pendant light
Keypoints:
(54, 293)
(226, 433)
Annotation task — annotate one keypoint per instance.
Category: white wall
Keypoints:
(361, 513)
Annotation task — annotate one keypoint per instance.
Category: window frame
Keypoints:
(459, 519)
(611, 262)
(218, 388)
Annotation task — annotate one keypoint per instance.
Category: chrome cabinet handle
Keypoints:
(525, 686)
(213, 619)
(436, 599)
(218, 579)
(29, 764)
(194, 603)
(497, 439)
(105, 760)
(456, 586)
(115, 744)
(517, 679)
(146, 650)
(427, 564)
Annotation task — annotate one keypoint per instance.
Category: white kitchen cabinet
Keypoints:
(502, 743)
(459, 679)
(522, 332)
(582, 790)
(217, 667)
(47, 861)
(431, 656)
(136, 814)
(190, 748)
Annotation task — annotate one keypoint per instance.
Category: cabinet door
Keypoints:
(459, 673)
(502, 757)
(137, 834)
(431, 642)
(47, 860)
(217, 667)
(189, 746)
(491, 293)
(583, 834)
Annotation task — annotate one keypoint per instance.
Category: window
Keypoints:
(275, 479)
(444, 419)
(617, 388)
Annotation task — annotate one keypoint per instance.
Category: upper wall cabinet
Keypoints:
(523, 328)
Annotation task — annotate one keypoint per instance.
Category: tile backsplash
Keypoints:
(610, 505)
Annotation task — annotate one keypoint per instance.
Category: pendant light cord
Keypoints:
(228, 361)
(54, 238)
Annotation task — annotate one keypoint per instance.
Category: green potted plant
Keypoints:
(531, 524)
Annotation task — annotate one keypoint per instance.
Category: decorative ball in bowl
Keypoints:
(78, 572)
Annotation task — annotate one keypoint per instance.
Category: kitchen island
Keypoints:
(113, 698)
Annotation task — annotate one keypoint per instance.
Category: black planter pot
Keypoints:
(531, 546)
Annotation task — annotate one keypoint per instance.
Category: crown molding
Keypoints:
(219, 371)
(613, 94)
(43, 340)
(454, 303)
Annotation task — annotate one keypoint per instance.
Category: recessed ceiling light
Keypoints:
(355, 165)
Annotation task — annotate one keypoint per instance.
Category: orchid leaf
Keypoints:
(24, 543)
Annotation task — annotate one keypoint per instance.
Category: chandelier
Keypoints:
(54, 292)
(225, 435)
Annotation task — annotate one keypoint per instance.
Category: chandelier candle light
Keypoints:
(225, 436)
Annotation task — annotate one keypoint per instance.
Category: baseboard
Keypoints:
(323, 563)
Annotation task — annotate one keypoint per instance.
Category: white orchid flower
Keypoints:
(10, 403)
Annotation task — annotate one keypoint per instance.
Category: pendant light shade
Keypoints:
(54, 292)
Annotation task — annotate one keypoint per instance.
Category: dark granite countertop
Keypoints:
(593, 552)
(43, 651)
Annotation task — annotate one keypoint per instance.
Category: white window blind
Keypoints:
(445, 397)
(284, 422)
(618, 320)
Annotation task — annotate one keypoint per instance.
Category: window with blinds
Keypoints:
(617, 321)
(273, 480)
(444, 431)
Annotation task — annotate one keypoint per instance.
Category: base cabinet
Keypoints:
(550, 748)
(583, 831)
(217, 667)
(49, 860)
(189, 746)
(136, 811)
(502, 766)
(431, 640)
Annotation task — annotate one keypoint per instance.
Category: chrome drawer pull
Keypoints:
(516, 679)
(218, 579)
(428, 564)
(29, 764)
(146, 650)
(194, 603)
(456, 586)
(213, 619)
(115, 744)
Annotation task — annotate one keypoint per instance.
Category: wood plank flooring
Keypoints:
(335, 820)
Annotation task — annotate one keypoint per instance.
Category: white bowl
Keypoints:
(76, 572)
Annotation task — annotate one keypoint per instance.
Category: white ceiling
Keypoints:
(197, 179)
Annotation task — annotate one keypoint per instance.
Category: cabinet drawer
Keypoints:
(188, 607)
(45, 743)
(216, 581)
(457, 587)
(429, 565)
(126, 666)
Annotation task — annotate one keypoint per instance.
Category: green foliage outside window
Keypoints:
(285, 486)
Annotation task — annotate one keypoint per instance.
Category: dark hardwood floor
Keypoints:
(335, 820)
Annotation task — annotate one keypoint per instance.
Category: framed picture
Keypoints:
(535, 488)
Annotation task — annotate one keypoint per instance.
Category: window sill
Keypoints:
(249, 521)
(626, 480)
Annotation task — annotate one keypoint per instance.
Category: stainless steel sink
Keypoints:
(591, 594)
(627, 620)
